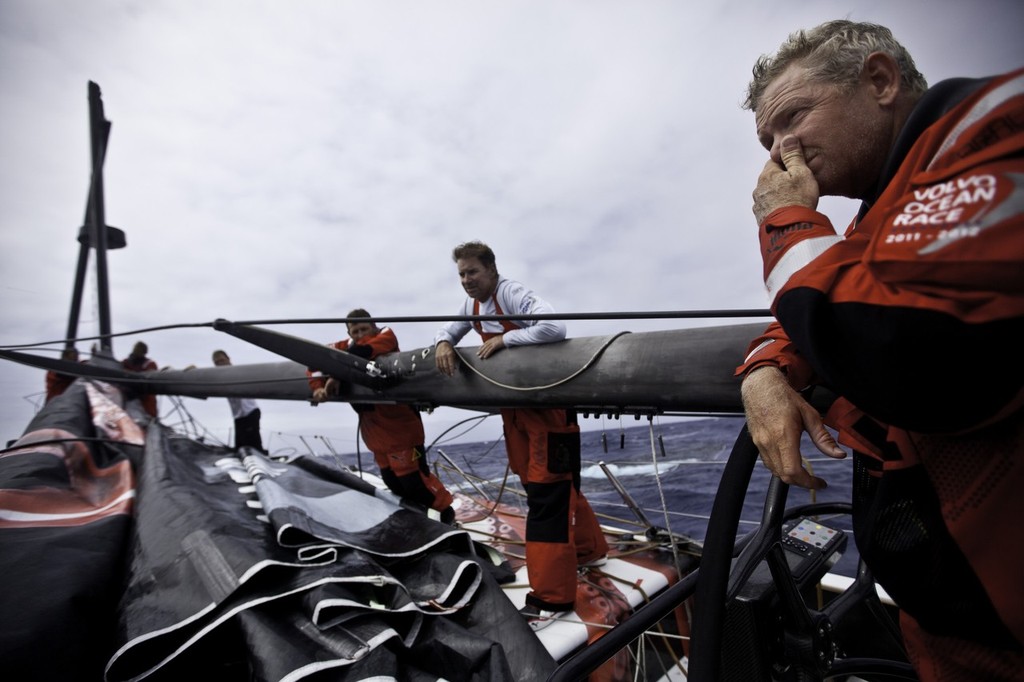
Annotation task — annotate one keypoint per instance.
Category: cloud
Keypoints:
(294, 160)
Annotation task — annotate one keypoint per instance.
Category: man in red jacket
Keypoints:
(393, 433)
(58, 382)
(914, 317)
(138, 362)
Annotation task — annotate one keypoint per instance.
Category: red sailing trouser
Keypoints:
(406, 473)
(561, 528)
(394, 433)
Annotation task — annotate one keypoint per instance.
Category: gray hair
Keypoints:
(834, 52)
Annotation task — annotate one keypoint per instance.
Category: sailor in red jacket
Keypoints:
(57, 382)
(138, 362)
(393, 433)
(914, 317)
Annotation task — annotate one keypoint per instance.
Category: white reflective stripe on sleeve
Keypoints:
(760, 347)
(798, 255)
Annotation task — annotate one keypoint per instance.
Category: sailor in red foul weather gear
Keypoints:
(914, 317)
(393, 433)
(57, 382)
(138, 362)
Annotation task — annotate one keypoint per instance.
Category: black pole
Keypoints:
(76, 296)
(85, 242)
(99, 129)
(716, 559)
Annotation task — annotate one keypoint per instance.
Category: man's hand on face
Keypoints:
(789, 183)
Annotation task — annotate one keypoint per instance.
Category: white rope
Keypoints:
(572, 376)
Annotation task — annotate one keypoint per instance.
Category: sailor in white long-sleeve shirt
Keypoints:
(245, 411)
(508, 298)
(543, 445)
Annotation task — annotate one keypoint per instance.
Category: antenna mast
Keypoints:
(90, 235)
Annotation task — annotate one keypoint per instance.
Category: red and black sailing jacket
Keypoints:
(915, 317)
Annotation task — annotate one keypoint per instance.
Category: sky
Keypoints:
(295, 160)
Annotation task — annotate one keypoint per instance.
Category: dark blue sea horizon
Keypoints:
(680, 462)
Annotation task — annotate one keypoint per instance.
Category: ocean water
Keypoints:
(679, 463)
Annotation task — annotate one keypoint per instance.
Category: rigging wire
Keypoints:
(664, 502)
(629, 315)
(479, 418)
(192, 427)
